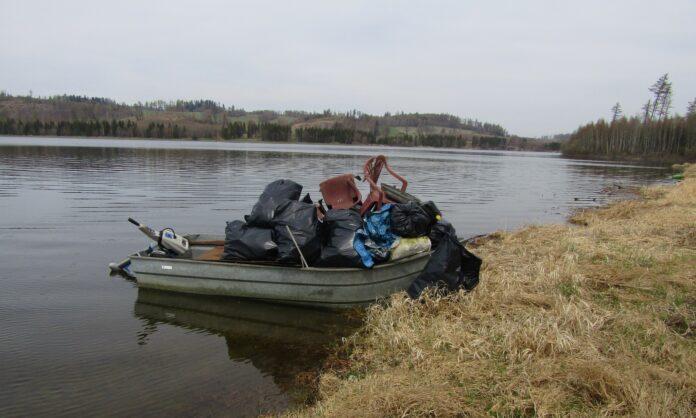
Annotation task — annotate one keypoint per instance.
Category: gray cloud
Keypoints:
(535, 67)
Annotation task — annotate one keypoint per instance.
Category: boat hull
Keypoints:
(332, 288)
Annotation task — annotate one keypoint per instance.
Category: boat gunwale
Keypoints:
(223, 263)
(372, 283)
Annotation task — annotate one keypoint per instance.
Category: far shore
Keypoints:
(259, 141)
(660, 160)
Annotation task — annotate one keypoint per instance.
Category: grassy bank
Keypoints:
(597, 317)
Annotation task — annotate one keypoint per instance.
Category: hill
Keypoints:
(70, 115)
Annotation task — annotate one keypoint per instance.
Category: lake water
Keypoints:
(76, 341)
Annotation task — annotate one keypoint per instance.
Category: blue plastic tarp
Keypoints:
(374, 240)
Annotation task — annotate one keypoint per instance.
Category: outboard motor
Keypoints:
(167, 244)
(166, 239)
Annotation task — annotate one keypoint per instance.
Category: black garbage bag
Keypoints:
(410, 220)
(244, 242)
(338, 232)
(450, 266)
(302, 219)
(273, 195)
(441, 231)
(432, 210)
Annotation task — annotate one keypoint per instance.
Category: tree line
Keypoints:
(92, 128)
(334, 135)
(655, 133)
(272, 132)
(74, 107)
(74, 115)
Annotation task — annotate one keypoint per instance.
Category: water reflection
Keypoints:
(280, 341)
(245, 319)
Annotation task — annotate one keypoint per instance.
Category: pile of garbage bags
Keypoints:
(282, 228)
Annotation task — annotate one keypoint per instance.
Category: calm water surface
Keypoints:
(75, 341)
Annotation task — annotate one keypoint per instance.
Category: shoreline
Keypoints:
(259, 141)
(595, 316)
(662, 160)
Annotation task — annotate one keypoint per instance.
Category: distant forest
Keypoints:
(70, 115)
(655, 134)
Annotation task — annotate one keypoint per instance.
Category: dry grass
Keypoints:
(598, 319)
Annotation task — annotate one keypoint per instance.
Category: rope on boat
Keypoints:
(304, 262)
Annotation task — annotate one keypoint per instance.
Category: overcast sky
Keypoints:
(535, 67)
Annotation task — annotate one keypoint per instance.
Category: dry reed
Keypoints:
(593, 318)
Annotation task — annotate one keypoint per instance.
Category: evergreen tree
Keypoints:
(615, 112)
(646, 111)
(691, 108)
(662, 101)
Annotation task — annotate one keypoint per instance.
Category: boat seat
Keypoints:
(214, 254)
(340, 192)
(217, 254)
